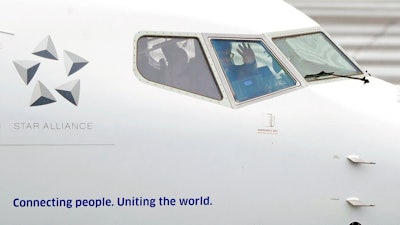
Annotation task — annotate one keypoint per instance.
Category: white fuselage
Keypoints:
(281, 159)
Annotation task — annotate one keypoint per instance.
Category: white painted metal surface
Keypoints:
(131, 153)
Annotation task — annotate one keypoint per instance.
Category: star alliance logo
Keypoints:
(41, 95)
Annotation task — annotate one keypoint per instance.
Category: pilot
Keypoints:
(236, 72)
(177, 60)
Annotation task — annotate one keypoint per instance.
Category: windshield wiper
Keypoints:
(323, 73)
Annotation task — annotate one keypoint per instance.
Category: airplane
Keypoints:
(189, 113)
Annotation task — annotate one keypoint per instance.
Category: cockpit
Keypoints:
(239, 69)
(250, 68)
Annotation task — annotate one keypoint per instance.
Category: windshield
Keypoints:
(314, 53)
(250, 68)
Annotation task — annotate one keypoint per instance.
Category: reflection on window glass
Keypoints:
(176, 62)
(314, 53)
(250, 68)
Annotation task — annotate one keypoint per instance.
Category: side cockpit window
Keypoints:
(250, 68)
(178, 62)
(315, 56)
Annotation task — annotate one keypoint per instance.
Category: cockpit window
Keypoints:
(250, 68)
(314, 55)
(177, 62)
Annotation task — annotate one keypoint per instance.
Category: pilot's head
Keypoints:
(223, 49)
